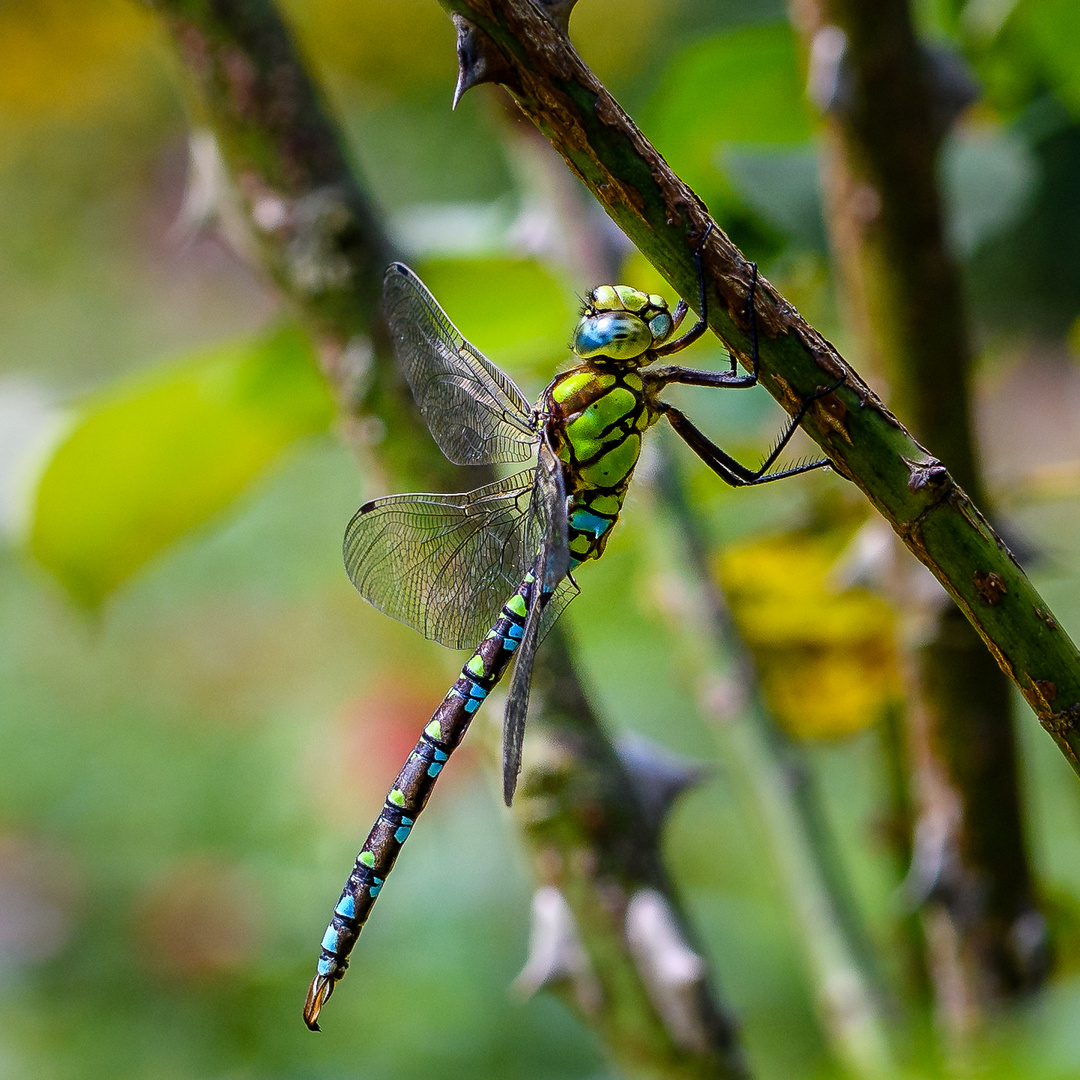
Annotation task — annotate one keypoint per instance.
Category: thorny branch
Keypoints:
(514, 43)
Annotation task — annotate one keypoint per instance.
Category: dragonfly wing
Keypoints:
(517, 697)
(443, 564)
(474, 411)
(548, 524)
(565, 591)
(548, 536)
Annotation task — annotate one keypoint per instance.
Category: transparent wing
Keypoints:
(444, 564)
(474, 411)
(547, 515)
(551, 561)
(548, 519)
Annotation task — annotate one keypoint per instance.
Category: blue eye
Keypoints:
(615, 334)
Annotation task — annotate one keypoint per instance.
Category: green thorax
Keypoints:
(596, 414)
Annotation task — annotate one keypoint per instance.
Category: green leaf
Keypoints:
(779, 183)
(1052, 29)
(990, 178)
(148, 461)
(741, 87)
(513, 310)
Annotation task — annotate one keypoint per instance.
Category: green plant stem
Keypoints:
(514, 43)
(313, 231)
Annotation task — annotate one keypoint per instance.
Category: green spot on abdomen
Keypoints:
(615, 466)
(580, 545)
(516, 604)
(397, 797)
(605, 504)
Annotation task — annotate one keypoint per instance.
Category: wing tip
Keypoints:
(510, 780)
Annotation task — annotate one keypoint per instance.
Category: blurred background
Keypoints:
(199, 717)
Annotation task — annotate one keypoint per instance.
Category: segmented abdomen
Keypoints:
(410, 793)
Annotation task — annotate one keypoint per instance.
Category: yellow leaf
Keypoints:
(827, 659)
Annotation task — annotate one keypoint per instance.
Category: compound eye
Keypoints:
(660, 326)
(615, 334)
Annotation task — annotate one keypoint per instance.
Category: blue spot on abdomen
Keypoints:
(587, 522)
(346, 908)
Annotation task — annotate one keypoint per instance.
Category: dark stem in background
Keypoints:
(902, 289)
(313, 231)
(596, 842)
(842, 965)
(512, 42)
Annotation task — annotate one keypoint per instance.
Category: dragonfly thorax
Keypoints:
(622, 324)
(596, 415)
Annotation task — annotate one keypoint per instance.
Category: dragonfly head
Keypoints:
(622, 324)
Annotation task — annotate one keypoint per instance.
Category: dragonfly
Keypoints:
(496, 565)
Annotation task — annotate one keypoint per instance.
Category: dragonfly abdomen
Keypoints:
(410, 793)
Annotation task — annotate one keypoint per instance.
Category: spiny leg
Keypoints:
(682, 307)
(730, 378)
(725, 466)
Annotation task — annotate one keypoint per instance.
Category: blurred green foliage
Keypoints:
(184, 777)
(170, 449)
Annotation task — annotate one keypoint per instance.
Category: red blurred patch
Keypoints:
(376, 732)
(199, 919)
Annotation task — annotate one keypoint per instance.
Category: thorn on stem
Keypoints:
(658, 776)
(558, 12)
(479, 60)
(672, 971)
(828, 80)
(831, 84)
(556, 953)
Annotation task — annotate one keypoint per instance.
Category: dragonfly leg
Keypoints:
(725, 466)
(730, 378)
(699, 327)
